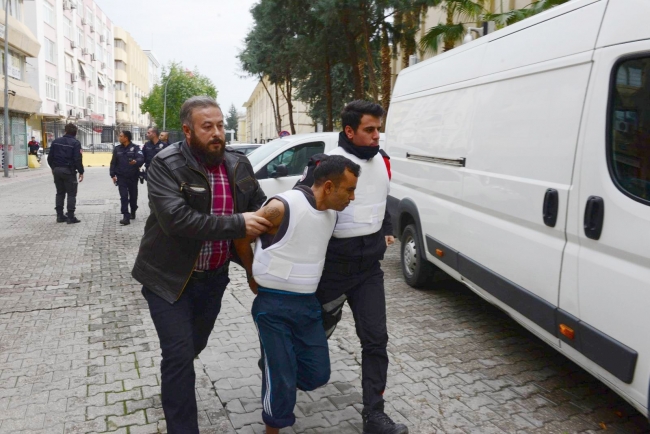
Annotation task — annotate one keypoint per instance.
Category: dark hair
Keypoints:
(71, 129)
(189, 105)
(155, 130)
(332, 168)
(354, 111)
(127, 134)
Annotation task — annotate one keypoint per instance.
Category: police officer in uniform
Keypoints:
(125, 168)
(65, 161)
(352, 270)
(164, 137)
(153, 146)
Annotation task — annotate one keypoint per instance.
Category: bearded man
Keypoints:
(201, 198)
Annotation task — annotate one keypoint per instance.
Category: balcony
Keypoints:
(20, 37)
(120, 54)
(121, 75)
(122, 117)
(120, 96)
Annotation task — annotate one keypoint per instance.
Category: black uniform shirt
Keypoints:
(150, 150)
(122, 155)
(66, 152)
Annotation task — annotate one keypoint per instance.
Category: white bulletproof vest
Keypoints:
(365, 214)
(295, 263)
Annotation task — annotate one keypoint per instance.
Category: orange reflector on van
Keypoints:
(440, 253)
(567, 331)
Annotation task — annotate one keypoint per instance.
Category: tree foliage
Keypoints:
(232, 119)
(181, 85)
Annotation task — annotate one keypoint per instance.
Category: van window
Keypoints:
(629, 128)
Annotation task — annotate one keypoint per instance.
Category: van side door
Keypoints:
(606, 273)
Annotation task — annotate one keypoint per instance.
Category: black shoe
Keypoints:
(72, 219)
(132, 215)
(60, 218)
(125, 221)
(378, 422)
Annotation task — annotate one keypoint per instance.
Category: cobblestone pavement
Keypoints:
(79, 354)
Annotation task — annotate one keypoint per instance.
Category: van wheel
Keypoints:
(415, 267)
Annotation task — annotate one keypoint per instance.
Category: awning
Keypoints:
(20, 37)
(101, 81)
(24, 100)
(82, 70)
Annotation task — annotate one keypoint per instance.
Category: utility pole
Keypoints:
(5, 148)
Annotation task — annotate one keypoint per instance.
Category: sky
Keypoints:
(207, 34)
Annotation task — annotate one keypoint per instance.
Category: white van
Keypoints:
(521, 167)
(279, 164)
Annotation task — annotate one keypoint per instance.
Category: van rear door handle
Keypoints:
(551, 206)
(594, 217)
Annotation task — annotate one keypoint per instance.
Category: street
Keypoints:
(79, 353)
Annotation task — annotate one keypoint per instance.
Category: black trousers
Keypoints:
(128, 193)
(183, 329)
(364, 292)
(65, 180)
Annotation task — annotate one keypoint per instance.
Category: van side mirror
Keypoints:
(280, 171)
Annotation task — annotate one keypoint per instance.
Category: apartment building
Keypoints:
(131, 80)
(74, 74)
(23, 98)
(260, 123)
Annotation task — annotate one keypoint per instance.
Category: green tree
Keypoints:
(459, 13)
(232, 120)
(516, 15)
(181, 85)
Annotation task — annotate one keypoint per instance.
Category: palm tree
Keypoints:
(459, 13)
(506, 18)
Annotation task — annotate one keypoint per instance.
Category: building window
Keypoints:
(89, 16)
(69, 94)
(50, 51)
(120, 106)
(91, 74)
(80, 37)
(48, 13)
(120, 44)
(15, 66)
(82, 98)
(67, 28)
(100, 53)
(15, 9)
(90, 102)
(629, 149)
(100, 105)
(50, 87)
(120, 65)
(69, 64)
(120, 85)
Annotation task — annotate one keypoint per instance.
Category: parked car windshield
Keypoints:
(265, 150)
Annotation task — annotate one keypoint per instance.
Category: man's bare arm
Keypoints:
(273, 212)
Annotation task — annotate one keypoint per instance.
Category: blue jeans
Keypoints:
(183, 329)
(294, 348)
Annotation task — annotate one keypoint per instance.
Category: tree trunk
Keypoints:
(329, 125)
(449, 43)
(275, 110)
(374, 88)
(408, 42)
(278, 121)
(353, 55)
(289, 99)
(386, 72)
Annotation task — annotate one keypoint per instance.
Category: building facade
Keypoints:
(23, 98)
(260, 123)
(74, 74)
(131, 80)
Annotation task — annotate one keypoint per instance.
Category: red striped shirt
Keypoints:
(215, 253)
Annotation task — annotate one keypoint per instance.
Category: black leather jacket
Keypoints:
(180, 221)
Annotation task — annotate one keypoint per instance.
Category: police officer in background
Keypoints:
(65, 161)
(352, 270)
(153, 146)
(164, 137)
(125, 167)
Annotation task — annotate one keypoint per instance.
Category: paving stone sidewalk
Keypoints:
(79, 353)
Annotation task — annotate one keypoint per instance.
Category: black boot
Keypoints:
(126, 220)
(72, 219)
(133, 215)
(60, 217)
(378, 422)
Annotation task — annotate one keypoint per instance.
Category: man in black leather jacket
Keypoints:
(201, 198)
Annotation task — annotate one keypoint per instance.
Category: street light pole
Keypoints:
(5, 148)
(165, 103)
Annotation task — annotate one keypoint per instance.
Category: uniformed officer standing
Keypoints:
(164, 137)
(153, 146)
(65, 161)
(352, 270)
(125, 167)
